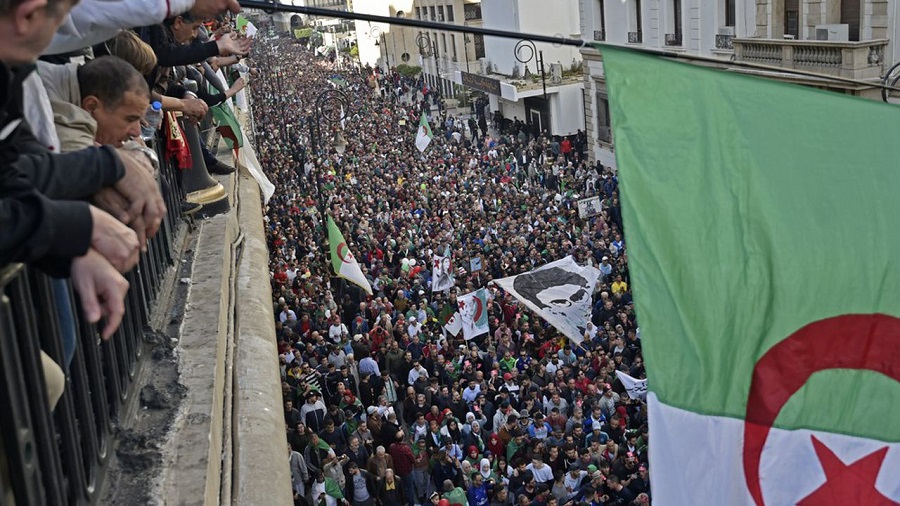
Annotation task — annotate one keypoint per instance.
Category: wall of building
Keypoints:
(567, 116)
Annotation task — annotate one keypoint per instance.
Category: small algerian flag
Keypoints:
(342, 259)
(762, 248)
(423, 137)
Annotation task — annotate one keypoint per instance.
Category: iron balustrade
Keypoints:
(61, 457)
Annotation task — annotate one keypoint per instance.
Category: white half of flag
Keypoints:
(636, 388)
(559, 292)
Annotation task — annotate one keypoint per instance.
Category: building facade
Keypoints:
(838, 38)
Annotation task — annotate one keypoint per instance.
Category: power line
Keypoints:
(270, 7)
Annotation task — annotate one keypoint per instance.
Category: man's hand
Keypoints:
(117, 243)
(101, 289)
(229, 45)
(206, 9)
(146, 207)
(236, 87)
(194, 108)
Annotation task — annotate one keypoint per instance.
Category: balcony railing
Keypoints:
(856, 60)
(635, 37)
(600, 35)
(724, 41)
(60, 457)
(673, 39)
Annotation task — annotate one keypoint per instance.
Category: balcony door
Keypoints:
(850, 16)
(792, 18)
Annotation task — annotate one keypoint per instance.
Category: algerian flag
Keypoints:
(559, 292)
(423, 137)
(473, 311)
(342, 259)
(763, 251)
(454, 324)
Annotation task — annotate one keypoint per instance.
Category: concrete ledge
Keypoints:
(193, 474)
(261, 474)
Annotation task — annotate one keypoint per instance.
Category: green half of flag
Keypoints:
(227, 125)
(752, 209)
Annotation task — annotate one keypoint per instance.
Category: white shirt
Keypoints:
(542, 475)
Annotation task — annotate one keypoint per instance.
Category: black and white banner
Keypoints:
(559, 292)
(441, 273)
(637, 388)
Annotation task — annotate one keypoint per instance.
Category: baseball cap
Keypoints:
(507, 376)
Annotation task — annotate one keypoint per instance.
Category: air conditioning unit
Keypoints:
(726, 30)
(833, 32)
(485, 65)
(556, 72)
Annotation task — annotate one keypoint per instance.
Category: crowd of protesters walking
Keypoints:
(381, 405)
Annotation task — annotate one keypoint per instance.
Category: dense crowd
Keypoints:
(381, 404)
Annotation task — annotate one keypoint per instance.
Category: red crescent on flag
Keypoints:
(345, 256)
(479, 308)
(818, 346)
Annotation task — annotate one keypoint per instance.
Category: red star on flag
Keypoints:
(847, 484)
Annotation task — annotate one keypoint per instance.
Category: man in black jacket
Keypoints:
(40, 220)
(361, 489)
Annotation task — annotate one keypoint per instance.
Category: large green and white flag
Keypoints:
(423, 135)
(761, 221)
(342, 259)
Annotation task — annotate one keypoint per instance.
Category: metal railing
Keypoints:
(599, 35)
(61, 457)
(635, 37)
(673, 39)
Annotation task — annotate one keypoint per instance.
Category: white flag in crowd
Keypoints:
(473, 312)
(559, 292)
(441, 273)
(454, 324)
(637, 388)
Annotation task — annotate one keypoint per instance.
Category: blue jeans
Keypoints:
(409, 487)
(66, 319)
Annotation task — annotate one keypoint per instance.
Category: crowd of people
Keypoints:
(382, 405)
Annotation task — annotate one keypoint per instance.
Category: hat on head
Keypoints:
(596, 426)
(371, 410)
(358, 337)
(507, 376)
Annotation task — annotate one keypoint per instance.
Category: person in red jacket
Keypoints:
(403, 459)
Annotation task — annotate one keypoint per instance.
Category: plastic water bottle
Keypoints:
(153, 117)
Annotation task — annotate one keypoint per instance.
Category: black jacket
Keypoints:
(370, 485)
(41, 219)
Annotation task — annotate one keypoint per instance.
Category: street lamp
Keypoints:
(429, 47)
(525, 52)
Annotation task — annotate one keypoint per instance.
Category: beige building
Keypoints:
(839, 38)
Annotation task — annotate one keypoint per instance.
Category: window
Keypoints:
(635, 35)
(453, 45)
(604, 127)
(729, 12)
(600, 21)
(850, 16)
(478, 41)
(676, 13)
(431, 10)
(450, 16)
(444, 42)
(792, 18)
(440, 13)
(418, 13)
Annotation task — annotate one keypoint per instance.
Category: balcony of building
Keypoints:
(182, 405)
(855, 60)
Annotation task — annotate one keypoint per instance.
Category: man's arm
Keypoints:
(69, 176)
(93, 21)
